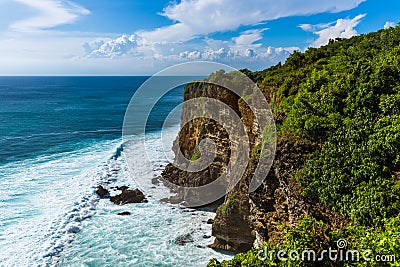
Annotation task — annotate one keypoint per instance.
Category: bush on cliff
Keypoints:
(310, 235)
(344, 96)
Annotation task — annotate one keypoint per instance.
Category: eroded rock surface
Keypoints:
(128, 196)
(247, 219)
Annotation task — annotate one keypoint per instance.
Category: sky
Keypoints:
(131, 37)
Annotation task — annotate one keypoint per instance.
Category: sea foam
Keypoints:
(52, 215)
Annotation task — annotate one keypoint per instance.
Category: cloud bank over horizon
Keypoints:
(174, 43)
(69, 36)
(242, 49)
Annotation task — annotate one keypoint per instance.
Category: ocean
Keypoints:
(61, 137)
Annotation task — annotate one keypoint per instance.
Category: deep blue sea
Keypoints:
(60, 138)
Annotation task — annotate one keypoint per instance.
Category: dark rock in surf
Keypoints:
(122, 188)
(128, 196)
(183, 239)
(102, 192)
(172, 200)
(125, 213)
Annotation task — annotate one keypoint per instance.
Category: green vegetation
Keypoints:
(225, 208)
(346, 98)
(313, 235)
(195, 156)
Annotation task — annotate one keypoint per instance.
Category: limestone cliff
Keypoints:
(246, 219)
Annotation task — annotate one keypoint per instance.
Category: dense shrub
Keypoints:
(371, 245)
(346, 97)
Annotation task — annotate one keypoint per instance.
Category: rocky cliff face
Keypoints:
(246, 219)
(196, 130)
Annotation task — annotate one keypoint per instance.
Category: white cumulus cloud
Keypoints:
(195, 20)
(194, 17)
(246, 40)
(342, 28)
(389, 24)
(192, 22)
(112, 48)
(240, 51)
(245, 46)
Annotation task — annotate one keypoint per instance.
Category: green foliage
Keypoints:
(345, 97)
(381, 241)
(268, 136)
(230, 202)
(256, 152)
(196, 155)
(312, 235)
(247, 259)
(234, 80)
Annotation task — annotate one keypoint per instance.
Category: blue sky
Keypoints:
(130, 37)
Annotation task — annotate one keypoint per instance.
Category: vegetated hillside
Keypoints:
(344, 98)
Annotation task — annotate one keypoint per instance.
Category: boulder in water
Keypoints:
(102, 192)
(183, 239)
(172, 200)
(128, 196)
(125, 213)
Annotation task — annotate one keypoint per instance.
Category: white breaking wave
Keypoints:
(43, 202)
(50, 214)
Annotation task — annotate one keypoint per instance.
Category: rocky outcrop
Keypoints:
(232, 227)
(279, 199)
(194, 132)
(184, 239)
(247, 219)
(124, 213)
(255, 218)
(102, 192)
(128, 196)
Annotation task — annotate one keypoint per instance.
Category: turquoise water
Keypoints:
(60, 137)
